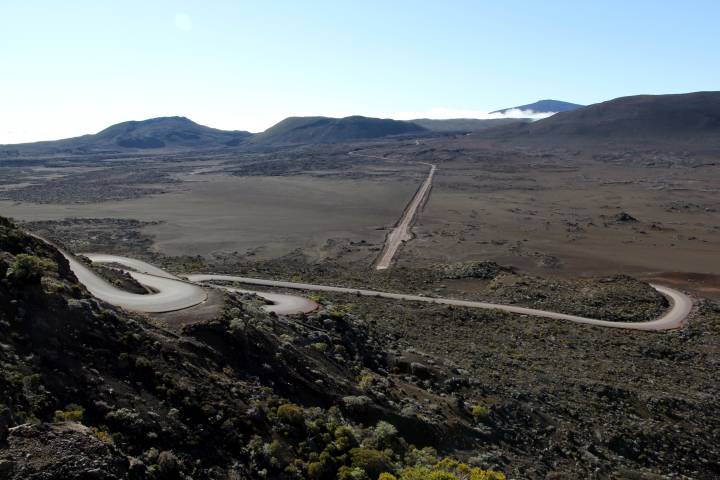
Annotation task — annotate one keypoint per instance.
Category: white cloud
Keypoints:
(445, 113)
(183, 22)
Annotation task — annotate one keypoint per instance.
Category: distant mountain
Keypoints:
(544, 106)
(464, 124)
(170, 133)
(308, 130)
(689, 118)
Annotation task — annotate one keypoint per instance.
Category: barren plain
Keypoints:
(552, 213)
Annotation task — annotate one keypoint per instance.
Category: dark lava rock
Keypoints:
(420, 370)
(481, 270)
(624, 217)
(65, 450)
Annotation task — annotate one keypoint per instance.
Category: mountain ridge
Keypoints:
(660, 118)
(180, 133)
(318, 129)
(157, 133)
(544, 106)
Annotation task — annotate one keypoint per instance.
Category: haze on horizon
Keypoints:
(244, 66)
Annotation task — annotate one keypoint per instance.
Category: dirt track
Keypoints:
(401, 233)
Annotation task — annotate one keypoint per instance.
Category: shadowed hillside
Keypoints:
(170, 133)
(465, 124)
(305, 130)
(684, 119)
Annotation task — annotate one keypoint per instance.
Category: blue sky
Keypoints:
(69, 68)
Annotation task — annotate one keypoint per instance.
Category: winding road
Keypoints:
(171, 292)
(175, 293)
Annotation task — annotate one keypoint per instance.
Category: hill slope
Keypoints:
(305, 130)
(152, 134)
(91, 391)
(544, 106)
(686, 117)
(464, 124)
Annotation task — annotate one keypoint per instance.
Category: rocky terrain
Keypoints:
(361, 388)
(92, 392)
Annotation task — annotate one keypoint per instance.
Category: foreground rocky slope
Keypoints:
(91, 392)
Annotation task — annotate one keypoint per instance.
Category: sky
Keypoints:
(76, 67)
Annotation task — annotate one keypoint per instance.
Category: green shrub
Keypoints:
(29, 268)
(366, 382)
(373, 462)
(449, 469)
(350, 473)
(291, 414)
(102, 434)
(479, 412)
(384, 435)
(72, 413)
(320, 346)
(344, 438)
(26, 417)
(319, 470)
(356, 403)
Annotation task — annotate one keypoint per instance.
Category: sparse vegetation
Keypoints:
(479, 412)
(27, 268)
(73, 413)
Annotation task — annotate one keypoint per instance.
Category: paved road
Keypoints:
(401, 233)
(175, 293)
(132, 263)
(165, 283)
(172, 294)
(680, 307)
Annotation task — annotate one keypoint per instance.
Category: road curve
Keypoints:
(680, 304)
(155, 277)
(171, 294)
(401, 232)
(132, 263)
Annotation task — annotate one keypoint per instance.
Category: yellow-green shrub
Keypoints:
(73, 413)
(291, 414)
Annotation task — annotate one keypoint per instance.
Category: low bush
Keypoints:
(479, 412)
(30, 268)
(72, 413)
(291, 414)
(373, 462)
